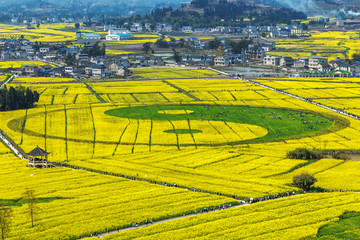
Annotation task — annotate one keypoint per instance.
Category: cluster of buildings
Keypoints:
(114, 34)
(314, 66)
(94, 67)
(253, 32)
(83, 65)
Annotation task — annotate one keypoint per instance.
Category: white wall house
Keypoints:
(92, 36)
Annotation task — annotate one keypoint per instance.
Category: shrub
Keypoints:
(340, 155)
(304, 181)
(305, 154)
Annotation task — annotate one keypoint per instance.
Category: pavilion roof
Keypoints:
(38, 152)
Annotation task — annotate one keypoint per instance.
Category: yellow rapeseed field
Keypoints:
(213, 135)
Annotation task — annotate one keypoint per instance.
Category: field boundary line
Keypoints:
(95, 93)
(339, 111)
(181, 90)
(167, 220)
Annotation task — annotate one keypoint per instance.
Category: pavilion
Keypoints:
(38, 158)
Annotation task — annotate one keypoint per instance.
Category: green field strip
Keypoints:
(122, 134)
(66, 134)
(94, 129)
(131, 94)
(218, 161)
(65, 91)
(136, 136)
(232, 95)
(52, 100)
(151, 129)
(45, 127)
(233, 130)
(164, 97)
(76, 96)
(217, 99)
(108, 95)
(177, 136)
(336, 165)
(42, 91)
(23, 127)
(95, 93)
(257, 92)
(191, 133)
(222, 135)
(181, 90)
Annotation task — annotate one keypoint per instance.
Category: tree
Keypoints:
(6, 215)
(38, 25)
(11, 102)
(240, 46)
(77, 25)
(29, 98)
(30, 198)
(305, 154)
(214, 44)
(70, 59)
(220, 51)
(36, 96)
(161, 43)
(176, 56)
(147, 47)
(356, 56)
(304, 181)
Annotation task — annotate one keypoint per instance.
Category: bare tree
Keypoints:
(30, 198)
(6, 214)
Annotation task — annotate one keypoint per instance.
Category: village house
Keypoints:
(270, 60)
(315, 62)
(187, 29)
(119, 70)
(50, 55)
(44, 49)
(137, 27)
(91, 37)
(93, 70)
(30, 70)
(287, 61)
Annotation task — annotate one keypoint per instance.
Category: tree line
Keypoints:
(224, 13)
(17, 98)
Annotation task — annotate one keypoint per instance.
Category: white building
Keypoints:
(119, 37)
(119, 34)
(272, 60)
(44, 49)
(91, 36)
(316, 62)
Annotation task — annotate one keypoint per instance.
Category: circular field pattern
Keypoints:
(231, 124)
(175, 125)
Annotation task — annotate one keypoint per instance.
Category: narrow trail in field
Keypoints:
(166, 220)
